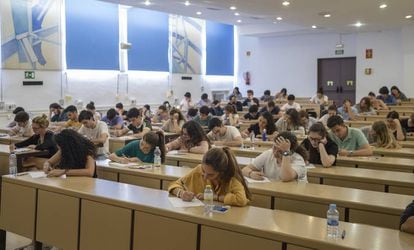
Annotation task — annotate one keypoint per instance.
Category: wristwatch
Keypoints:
(286, 153)
(350, 152)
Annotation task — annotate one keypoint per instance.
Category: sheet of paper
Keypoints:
(17, 150)
(176, 152)
(123, 165)
(250, 180)
(177, 202)
(310, 165)
(38, 174)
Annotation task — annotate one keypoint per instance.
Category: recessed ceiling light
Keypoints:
(275, 22)
(327, 15)
(233, 7)
(314, 27)
(408, 16)
(147, 3)
(279, 18)
(236, 14)
(199, 12)
(286, 3)
(383, 6)
(187, 3)
(358, 24)
(239, 21)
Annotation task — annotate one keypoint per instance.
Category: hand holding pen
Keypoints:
(186, 195)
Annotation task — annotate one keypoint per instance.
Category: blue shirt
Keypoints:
(111, 123)
(344, 114)
(389, 100)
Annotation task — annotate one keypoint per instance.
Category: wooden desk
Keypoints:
(400, 112)
(192, 160)
(11, 139)
(400, 153)
(407, 144)
(116, 143)
(358, 123)
(360, 206)
(248, 152)
(377, 163)
(87, 207)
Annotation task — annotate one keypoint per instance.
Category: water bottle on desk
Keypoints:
(332, 217)
(208, 200)
(12, 164)
(252, 139)
(264, 135)
(157, 157)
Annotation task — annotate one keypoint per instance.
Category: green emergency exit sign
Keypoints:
(29, 75)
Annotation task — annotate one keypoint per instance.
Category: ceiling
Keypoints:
(258, 17)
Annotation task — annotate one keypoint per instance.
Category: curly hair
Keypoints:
(196, 134)
(294, 146)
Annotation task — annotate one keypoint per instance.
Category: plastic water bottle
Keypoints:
(252, 139)
(157, 157)
(332, 222)
(208, 200)
(264, 135)
(12, 165)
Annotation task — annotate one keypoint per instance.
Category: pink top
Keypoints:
(178, 144)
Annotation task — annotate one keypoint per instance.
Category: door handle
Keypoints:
(340, 89)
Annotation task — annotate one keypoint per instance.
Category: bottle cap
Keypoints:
(208, 186)
(332, 206)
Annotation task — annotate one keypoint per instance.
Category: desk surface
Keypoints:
(401, 152)
(196, 158)
(376, 161)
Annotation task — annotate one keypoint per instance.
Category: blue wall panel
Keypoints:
(220, 48)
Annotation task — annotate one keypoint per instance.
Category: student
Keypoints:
(56, 113)
(222, 135)
(191, 114)
(113, 119)
(192, 139)
(91, 107)
(161, 115)
(306, 121)
(15, 111)
(378, 104)
(281, 96)
(204, 101)
(407, 219)
(95, 131)
(382, 136)
(230, 116)
(141, 150)
(136, 124)
(399, 96)
(249, 98)
(386, 97)
(219, 169)
(331, 112)
(146, 113)
(320, 98)
(350, 141)
(41, 140)
(175, 123)
(167, 105)
(291, 104)
(256, 102)
(236, 93)
(285, 161)
(23, 125)
(204, 117)
(273, 109)
(253, 113)
(121, 111)
(236, 103)
(75, 156)
(290, 122)
(216, 109)
(72, 114)
(321, 149)
(365, 107)
(265, 122)
(408, 124)
(186, 103)
(347, 111)
(394, 124)
(266, 96)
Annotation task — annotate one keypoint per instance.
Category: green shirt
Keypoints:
(354, 140)
(132, 149)
(203, 122)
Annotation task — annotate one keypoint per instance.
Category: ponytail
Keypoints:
(156, 139)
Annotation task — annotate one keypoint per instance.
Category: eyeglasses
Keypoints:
(314, 139)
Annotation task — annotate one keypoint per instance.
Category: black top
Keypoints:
(62, 117)
(217, 111)
(404, 125)
(274, 111)
(48, 143)
(404, 133)
(237, 106)
(246, 102)
(314, 155)
(139, 129)
(408, 212)
(256, 130)
(249, 116)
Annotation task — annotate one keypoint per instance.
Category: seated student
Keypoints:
(347, 111)
(407, 219)
(386, 97)
(72, 114)
(191, 114)
(256, 102)
(265, 122)
(216, 109)
(136, 123)
(399, 96)
(91, 107)
(141, 150)
(273, 109)
(146, 113)
(175, 123)
(41, 140)
(266, 96)
(223, 135)
(378, 104)
(394, 124)
(186, 103)
(365, 107)
(219, 169)
(331, 112)
(408, 124)
(15, 111)
(306, 121)
(75, 156)
(350, 141)
(320, 98)
(121, 111)
(238, 106)
(161, 115)
(204, 101)
(96, 131)
(192, 139)
(249, 98)
(167, 105)
(253, 113)
(290, 122)
(56, 113)
(236, 93)
(282, 95)
(113, 120)
(23, 125)
(291, 104)
(204, 117)
(285, 161)
(321, 149)
(230, 116)
(382, 137)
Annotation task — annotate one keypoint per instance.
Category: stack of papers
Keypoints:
(123, 165)
(177, 202)
(250, 180)
(19, 150)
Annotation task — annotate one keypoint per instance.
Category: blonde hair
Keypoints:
(42, 121)
(384, 137)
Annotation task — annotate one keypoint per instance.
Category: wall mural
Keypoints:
(30, 32)
(186, 41)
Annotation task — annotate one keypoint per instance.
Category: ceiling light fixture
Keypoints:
(327, 15)
(286, 3)
(239, 21)
(199, 12)
(314, 27)
(147, 3)
(358, 24)
(383, 6)
(187, 3)
(279, 18)
(408, 16)
(236, 14)
(233, 7)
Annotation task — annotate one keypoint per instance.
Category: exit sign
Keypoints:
(29, 75)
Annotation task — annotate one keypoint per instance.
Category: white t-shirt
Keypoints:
(315, 99)
(230, 135)
(286, 106)
(25, 131)
(185, 106)
(267, 162)
(95, 133)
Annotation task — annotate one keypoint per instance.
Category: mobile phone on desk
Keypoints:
(220, 209)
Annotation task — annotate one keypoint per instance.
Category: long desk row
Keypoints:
(359, 206)
(86, 213)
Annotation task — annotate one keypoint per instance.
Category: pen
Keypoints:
(343, 234)
(184, 186)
